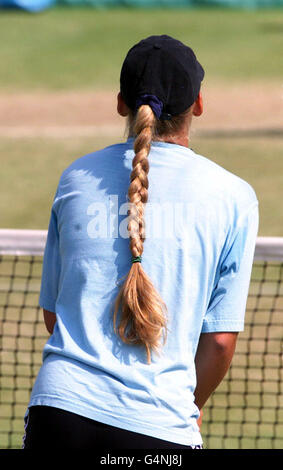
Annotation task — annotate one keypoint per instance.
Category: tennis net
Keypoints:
(246, 411)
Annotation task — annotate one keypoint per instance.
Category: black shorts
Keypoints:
(53, 428)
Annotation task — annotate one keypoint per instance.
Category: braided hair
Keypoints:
(143, 312)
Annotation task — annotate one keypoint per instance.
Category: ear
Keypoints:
(198, 106)
(122, 108)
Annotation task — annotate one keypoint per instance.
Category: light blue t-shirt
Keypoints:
(201, 224)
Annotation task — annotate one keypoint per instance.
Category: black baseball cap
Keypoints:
(164, 67)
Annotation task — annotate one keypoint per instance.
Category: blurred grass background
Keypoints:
(82, 49)
(30, 170)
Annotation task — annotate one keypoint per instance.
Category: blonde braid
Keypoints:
(143, 318)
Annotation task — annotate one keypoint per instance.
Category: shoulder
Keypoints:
(90, 165)
(224, 184)
(92, 158)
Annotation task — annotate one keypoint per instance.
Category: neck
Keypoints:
(179, 139)
(182, 140)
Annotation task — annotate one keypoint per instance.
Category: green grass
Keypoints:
(258, 161)
(81, 49)
(26, 194)
(84, 48)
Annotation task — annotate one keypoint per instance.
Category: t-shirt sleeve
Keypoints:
(227, 306)
(51, 267)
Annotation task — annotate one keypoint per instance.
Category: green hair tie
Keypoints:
(136, 259)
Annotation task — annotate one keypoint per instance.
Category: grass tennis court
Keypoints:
(80, 51)
(83, 48)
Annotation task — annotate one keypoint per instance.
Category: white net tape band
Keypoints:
(32, 242)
